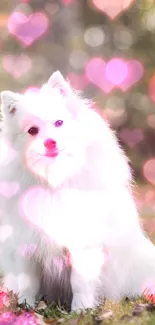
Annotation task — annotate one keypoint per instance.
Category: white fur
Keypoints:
(81, 200)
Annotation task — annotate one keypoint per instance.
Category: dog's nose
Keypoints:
(50, 144)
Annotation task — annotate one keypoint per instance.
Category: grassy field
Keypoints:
(138, 312)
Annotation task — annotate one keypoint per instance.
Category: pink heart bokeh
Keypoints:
(116, 73)
(152, 88)
(135, 73)
(131, 137)
(151, 120)
(67, 2)
(27, 29)
(112, 8)
(149, 170)
(78, 81)
(17, 65)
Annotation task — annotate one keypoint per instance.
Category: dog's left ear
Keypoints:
(57, 81)
(9, 101)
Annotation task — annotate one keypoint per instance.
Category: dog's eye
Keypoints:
(33, 130)
(58, 123)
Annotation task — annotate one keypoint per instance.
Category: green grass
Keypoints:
(138, 312)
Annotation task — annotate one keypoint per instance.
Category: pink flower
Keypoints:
(4, 299)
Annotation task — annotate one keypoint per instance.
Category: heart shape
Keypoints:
(16, 65)
(28, 29)
(116, 73)
(112, 8)
(151, 120)
(135, 73)
(152, 88)
(131, 137)
(94, 71)
(78, 81)
(149, 170)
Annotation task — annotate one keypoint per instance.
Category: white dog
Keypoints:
(69, 225)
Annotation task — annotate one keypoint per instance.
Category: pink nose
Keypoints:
(50, 144)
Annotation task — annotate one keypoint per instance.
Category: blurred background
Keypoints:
(106, 48)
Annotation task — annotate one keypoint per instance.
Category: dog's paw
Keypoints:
(82, 302)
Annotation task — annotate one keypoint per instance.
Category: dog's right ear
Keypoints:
(9, 100)
(57, 81)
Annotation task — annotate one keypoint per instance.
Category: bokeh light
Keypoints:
(111, 7)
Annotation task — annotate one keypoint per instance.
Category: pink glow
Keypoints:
(24, 318)
(28, 29)
(68, 2)
(31, 90)
(151, 120)
(4, 299)
(148, 287)
(135, 73)
(17, 65)
(94, 71)
(152, 88)
(112, 8)
(131, 137)
(149, 170)
(78, 82)
(116, 73)
(149, 225)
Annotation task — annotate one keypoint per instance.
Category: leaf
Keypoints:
(41, 305)
(105, 315)
(127, 319)
(139, 309)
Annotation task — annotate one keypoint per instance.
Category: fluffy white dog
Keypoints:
(69, 225)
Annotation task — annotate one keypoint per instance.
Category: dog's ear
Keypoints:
(57, 81)
(9, 100)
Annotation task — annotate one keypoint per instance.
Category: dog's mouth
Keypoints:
(51, 153)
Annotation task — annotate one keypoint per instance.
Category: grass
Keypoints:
(138, 312)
